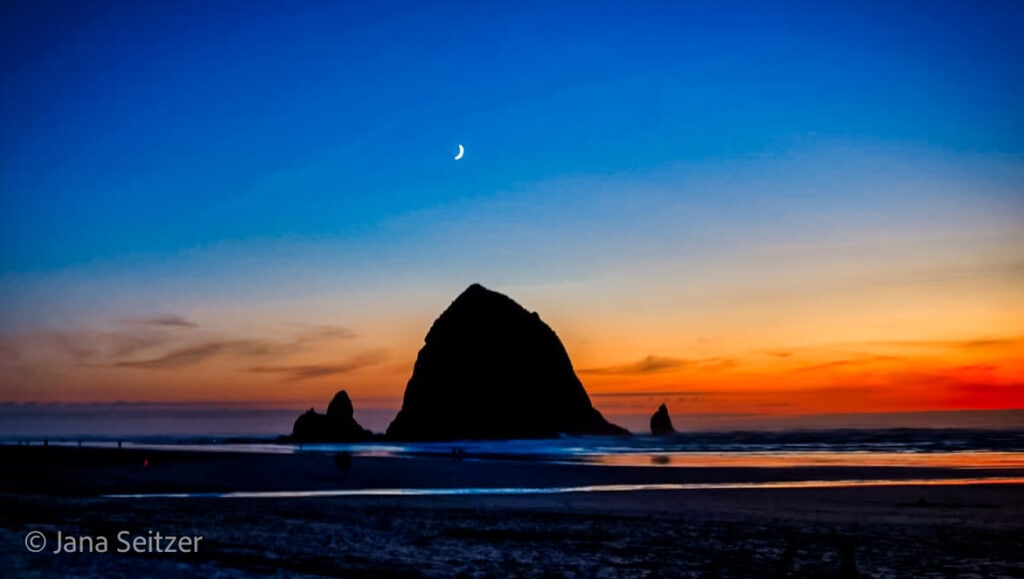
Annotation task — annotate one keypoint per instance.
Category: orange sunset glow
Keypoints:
(728, 361)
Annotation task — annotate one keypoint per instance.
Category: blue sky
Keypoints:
(153, 127)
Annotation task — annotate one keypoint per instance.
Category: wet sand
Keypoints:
(895, 531)
(91, 472)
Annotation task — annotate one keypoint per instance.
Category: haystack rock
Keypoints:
(661, 422)
(489, 369)
(338, 425)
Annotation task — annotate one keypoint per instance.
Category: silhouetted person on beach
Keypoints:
(847, 560)
(343, 460)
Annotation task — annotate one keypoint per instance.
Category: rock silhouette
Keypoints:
(489, 369)
(337, 425)
(661, 422)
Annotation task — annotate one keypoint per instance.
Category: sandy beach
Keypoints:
(880, 531)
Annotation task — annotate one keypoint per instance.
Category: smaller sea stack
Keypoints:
(661, 422)
(338, 425)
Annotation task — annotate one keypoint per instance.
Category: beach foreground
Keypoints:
(894, 530)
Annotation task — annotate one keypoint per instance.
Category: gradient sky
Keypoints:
(740, 209)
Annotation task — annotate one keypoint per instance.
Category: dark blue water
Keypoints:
(834, 441)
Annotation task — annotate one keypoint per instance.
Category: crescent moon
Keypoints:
(462, 152)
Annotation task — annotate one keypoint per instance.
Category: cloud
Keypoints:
(92, 346)
(169, 342)
(166, 320)
(847, 363)
(178, 358)
(647, 365)
(325, 333)
(81, 346)
(85, 347)
(303, 372)
(651, 393)
(195, 354)
(653, 364)
(120, 344)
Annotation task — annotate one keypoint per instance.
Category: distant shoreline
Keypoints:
(29, 420)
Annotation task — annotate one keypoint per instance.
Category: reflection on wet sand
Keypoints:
(577, 489)
(816, 458)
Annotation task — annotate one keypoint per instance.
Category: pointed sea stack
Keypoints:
(489, 369)
(661, 422)
(338, 425)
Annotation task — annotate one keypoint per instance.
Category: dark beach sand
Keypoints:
(888, 531)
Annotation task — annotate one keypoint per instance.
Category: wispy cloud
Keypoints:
(197, 353)
(321, 333)
(86, 347)
(157, 342)
(121, 345)
(846, 363)
(652, 393)
(97, 346)
(80, 346)
(647, 365)
(652, 364)
(303, 372)
(165, 320)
